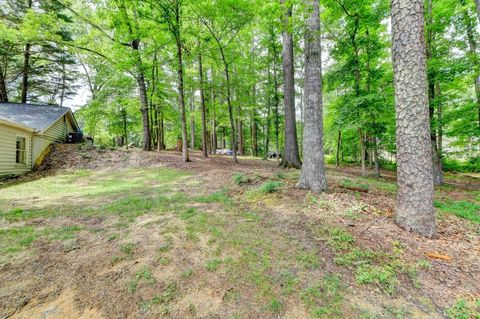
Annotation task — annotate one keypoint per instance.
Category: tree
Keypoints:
(313, 175)
(291, 156)
(415, 211)
(171, 11)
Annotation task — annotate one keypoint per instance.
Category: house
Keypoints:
(26, 130)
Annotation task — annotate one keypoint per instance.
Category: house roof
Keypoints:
(34, 116)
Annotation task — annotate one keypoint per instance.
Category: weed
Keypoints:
(280, 175)
(187, 273)
(424, 264)
(339, 239)
(288, 283)
(463, 309)
(164, 260)
(384, 276)
(275, 305)
(192, 310)
(189, 213)
(309, 259)
(324, 298)
(213, 264)
(241, 179)
(348, 183)
(269, 187)
(128, 250)
(145, 275)
(216, 197)
(355, 257)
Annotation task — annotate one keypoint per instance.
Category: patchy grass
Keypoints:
(462, 209)
(269, 187)
(169, 238)
(240, 179)
(324, 297)
(464, 309)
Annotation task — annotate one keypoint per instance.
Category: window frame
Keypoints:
(25, 150)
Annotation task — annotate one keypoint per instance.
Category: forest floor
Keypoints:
(128, 234)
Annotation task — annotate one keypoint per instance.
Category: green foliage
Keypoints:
(383, 276)
(463, 309)
(213, 264)
(269, 187)
(241, 179)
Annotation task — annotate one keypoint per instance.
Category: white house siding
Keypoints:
(8, 142)
(57, 132)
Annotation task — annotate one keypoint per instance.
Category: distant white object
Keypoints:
(224, 151)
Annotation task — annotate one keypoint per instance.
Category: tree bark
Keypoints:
(3, 85)
(339, 145)
(472, 46)
(268, 113)
(438, 93)
(291, 156)
(313, 175)
(431, 77)
(230, 107)
(376, 158)
(477, 4)
(192, 119)
(25, 72)
(241, 142)
(181, 93)
(142, 88)
(362, 151)
(415, 211)
(202, 108)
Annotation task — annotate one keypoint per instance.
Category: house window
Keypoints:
(21, 150)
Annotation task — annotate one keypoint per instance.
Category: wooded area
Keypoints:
(208, 75)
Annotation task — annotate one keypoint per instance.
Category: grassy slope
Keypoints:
(176, 236)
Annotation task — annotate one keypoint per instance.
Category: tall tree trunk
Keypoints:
(437, 163)
(415, 211)
(241, 142)
(291, 157)
(477, 4)
(253, 123)
(142, 88)
(362, 151)
(267, 120)
(230, 107)
(472, 47)
(438, 93)
(181, 95)
(376, 158)
(202, 108)
(25, 72)
(313, 175)
(192, 119)
(276, 102)
(125, 132)
(339, 146)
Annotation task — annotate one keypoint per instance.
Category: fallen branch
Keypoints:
(439, 256)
